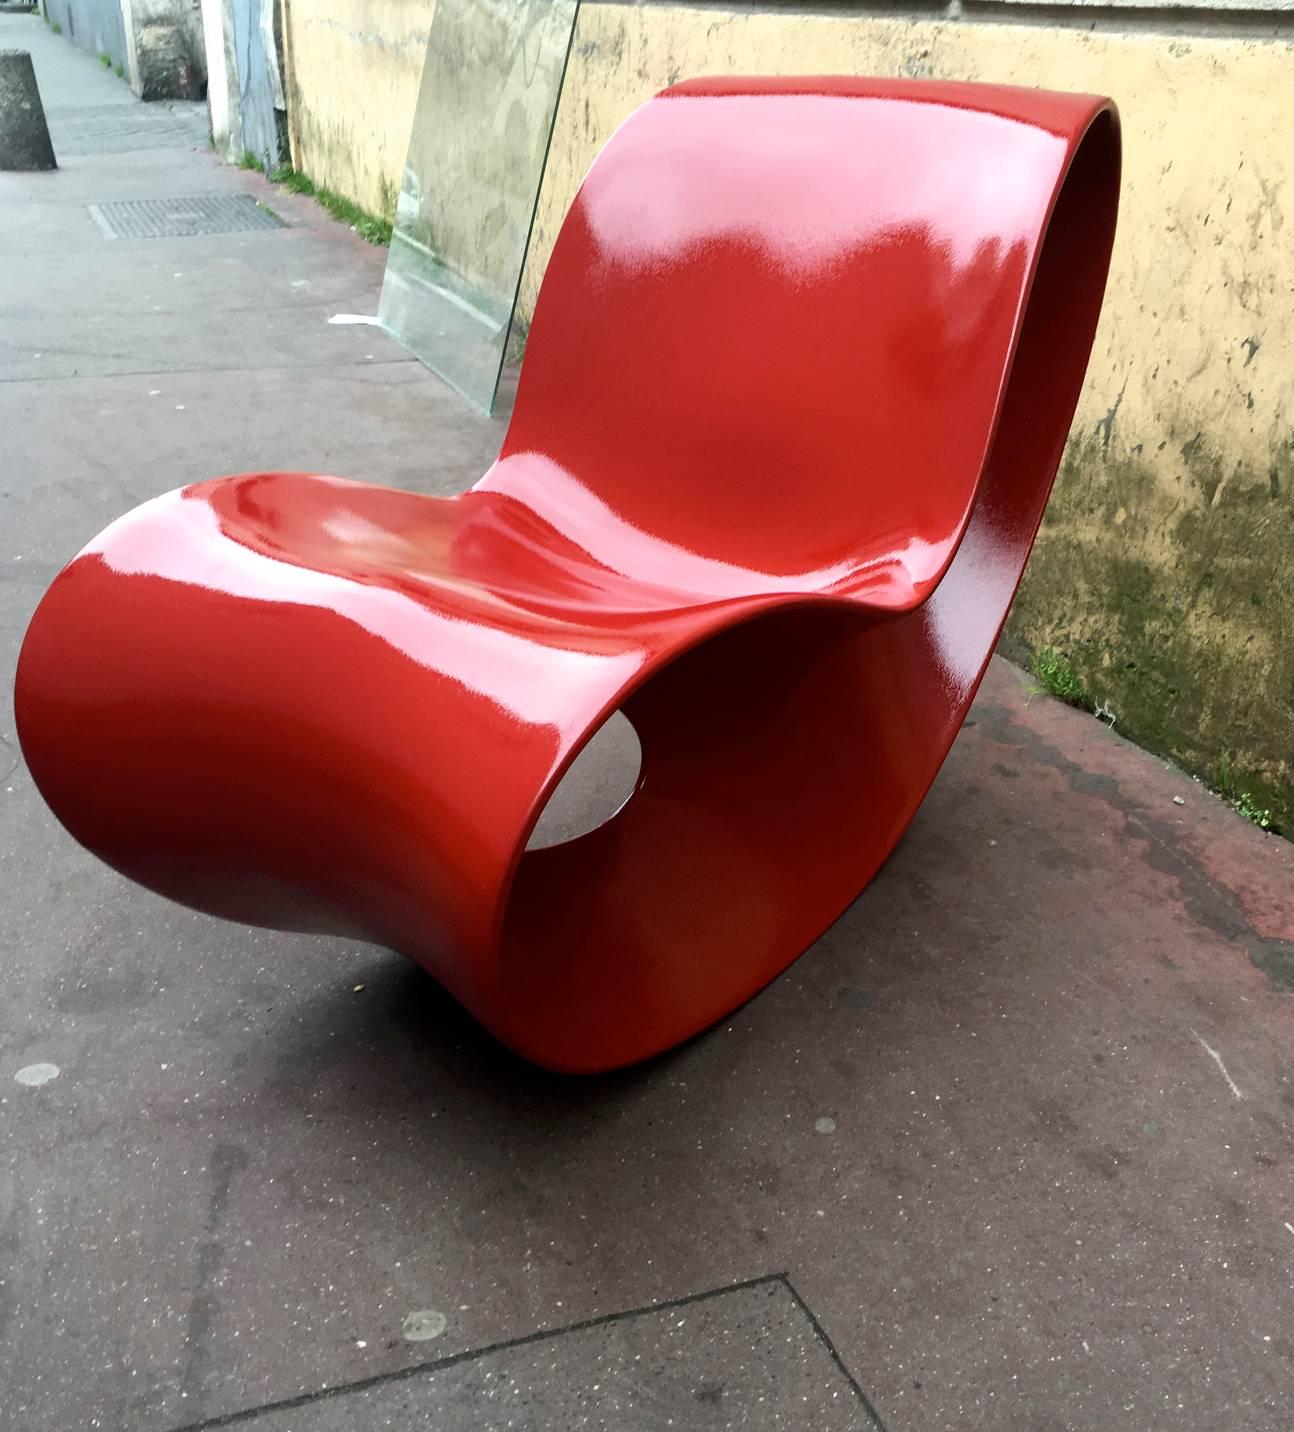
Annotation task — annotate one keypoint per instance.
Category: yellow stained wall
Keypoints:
(1165, 568)
(352, 73)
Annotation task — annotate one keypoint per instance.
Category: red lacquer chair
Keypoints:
(794, 396)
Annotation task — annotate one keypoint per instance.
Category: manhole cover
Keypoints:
(182, 218)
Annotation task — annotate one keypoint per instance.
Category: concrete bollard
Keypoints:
(24, 135)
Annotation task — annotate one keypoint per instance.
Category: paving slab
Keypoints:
(750, 1356)
(121, 126)
(294, 271)
(151, 342)
(1012, 1147)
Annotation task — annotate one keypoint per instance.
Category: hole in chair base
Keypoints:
(597, 784)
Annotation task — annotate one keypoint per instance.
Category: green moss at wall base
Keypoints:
(375, 228)
(1167, 579)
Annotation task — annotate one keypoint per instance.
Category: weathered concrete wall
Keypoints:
(353, 68)
(170, 49)
(1165, 568)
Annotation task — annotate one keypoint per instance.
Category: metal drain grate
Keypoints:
(182, 218)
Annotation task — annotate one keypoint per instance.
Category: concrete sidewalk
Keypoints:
(1011, 1148)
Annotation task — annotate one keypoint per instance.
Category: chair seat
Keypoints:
(478, 553)
(512, 546)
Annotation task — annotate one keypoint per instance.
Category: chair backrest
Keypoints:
(775, 333)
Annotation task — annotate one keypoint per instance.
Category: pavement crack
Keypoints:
(14, 758)
(1217, 1059)
(225, 1163)
(821, 1334)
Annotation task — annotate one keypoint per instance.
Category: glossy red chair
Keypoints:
(794, 396)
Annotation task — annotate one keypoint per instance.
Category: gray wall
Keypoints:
(95, 25)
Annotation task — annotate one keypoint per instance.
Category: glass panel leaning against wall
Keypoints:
(481, 129)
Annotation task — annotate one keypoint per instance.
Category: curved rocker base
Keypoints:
(774, 783)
